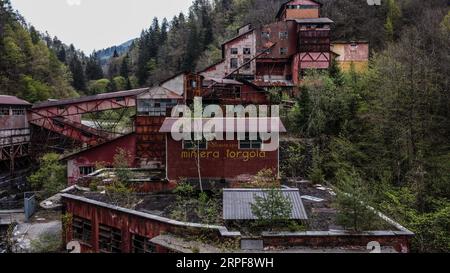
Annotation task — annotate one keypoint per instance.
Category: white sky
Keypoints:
(96, 24)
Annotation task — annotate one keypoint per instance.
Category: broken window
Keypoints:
(18, 112)
(110, 239)
(234, 51)
(140, 244)
(234, 63)
(283, 35)
(155, 108)
(265, 34)
(247, 51)
(81, 229)
(87, 170)
(4, 111)
(283, 51)
(248, 64)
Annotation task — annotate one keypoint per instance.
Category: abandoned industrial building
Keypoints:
(257, 59)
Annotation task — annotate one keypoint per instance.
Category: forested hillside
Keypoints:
(28, 68)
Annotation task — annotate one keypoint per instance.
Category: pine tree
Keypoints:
(93, 68)
(79, 80)
(115, 54)
(124, 68)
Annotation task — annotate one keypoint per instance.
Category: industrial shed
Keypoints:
(237, 203)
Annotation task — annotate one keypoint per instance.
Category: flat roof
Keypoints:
(237, 203)
(314, 21)
(12, 100)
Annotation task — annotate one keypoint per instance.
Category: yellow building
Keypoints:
(348, 53)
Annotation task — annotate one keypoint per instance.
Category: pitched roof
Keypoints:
(159, 92)
(11, 100)
(237, 203)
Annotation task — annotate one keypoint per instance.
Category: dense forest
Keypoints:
(388, 127)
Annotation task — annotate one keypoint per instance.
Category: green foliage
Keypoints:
(51, 175)
(28, 67)
(352, 201)
(272, 209)
(122, 163)
(207, 209)
(293, 159)
(265, 178)
(185, 198)
(99, 86)
(316, 174)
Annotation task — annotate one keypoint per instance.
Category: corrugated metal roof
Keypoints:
(251, 124)
(91, 98)
(11, 100)
(237, 203)
(224, 81)
(159, 92)
(314, 21)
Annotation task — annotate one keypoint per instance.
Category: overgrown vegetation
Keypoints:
(352, 202)
(195, 206)
(272, 208)
(387, 129)
(119, 190)
(50, 177)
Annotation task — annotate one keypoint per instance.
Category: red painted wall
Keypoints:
(219, 161)
(103, 153)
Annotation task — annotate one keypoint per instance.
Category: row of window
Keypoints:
(109, 238)
(234, 63)
(155, 108)
(245, 51)
(283, 51)
(283, 35)
(15, 112)
(301, 7)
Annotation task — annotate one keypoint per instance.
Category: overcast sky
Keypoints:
(96, 24)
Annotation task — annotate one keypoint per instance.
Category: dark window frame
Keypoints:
(141, 244)
(82, 230)
(109, 239)
(86, 170)
(234, 65)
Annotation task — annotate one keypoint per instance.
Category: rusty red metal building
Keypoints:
(14, 133)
